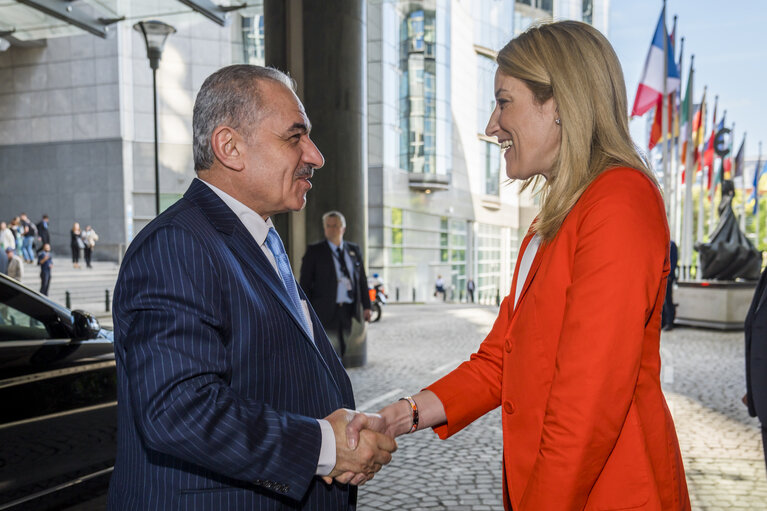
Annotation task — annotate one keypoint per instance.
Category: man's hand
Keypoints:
(357, 461)
(367, 314)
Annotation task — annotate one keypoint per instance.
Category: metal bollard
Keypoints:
(396, 294)
(67, 299)
(106, 301)
(497, 297)
(413, 295)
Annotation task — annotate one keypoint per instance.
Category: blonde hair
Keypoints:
(574, 63)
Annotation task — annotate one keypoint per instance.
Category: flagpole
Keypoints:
(702, 193)
(712, 208)
(732, 165)
(689, 177)
(743, 188)
(676, 203)
(664, 116)
(756, 193)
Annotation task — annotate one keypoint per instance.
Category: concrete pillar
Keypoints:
(323, 47)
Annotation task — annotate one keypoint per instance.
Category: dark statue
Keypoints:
(729, 255)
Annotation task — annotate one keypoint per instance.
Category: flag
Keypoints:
(684, 115)
(698, 124)
(739, 160)
(657, 124)
(651, 84)
(757, 174)
(708, 160)
(708, 155)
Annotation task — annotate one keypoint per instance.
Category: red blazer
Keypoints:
(576, 366)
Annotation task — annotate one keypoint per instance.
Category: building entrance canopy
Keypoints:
(28, 22)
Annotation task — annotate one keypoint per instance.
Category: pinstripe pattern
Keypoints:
(218, 381)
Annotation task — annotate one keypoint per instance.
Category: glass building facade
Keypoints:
(439, 199)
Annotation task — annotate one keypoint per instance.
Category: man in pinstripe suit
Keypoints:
(224, 371)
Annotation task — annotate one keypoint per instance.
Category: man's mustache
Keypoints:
(305, 172)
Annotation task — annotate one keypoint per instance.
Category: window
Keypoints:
(588, 11)
(491, 163)
(489, 153)
(396, 236)
(21, 317)
(253, 39)
(418, 92)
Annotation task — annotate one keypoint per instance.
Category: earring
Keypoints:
(557, 121)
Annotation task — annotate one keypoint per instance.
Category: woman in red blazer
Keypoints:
(573, 358)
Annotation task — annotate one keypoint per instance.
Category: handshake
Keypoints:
(364, 443)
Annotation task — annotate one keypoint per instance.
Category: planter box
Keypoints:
(713, 304)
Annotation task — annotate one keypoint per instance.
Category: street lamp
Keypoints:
(155, 34)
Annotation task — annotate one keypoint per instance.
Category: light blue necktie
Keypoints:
(274, 243)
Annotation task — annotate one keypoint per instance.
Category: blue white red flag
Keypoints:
(651, 84)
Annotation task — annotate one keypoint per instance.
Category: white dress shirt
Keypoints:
(343, 292)
(259, 228)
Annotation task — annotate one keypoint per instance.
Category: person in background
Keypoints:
(45, 260)
(573, 359)
(29, 234)
(43, 232)
(7, 240)
(333, 277)
(90, 238)
(756, 357)
(18, 232)
(15, 268)
(439, 287)
(669, 309)
(470, 287)
(76, 244)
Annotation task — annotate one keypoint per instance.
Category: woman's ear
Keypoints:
(227, 146)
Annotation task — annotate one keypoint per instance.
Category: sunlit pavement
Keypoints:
(703, 377)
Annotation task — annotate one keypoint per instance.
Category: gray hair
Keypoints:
(336, 214)
(230, 97)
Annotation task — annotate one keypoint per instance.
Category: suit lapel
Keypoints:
(252, 258)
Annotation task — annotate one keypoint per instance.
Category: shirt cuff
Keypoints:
(327, 460)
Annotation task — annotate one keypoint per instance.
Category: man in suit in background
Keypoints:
(756, 357)
(43, 232)
(333, 277)
(224, 371)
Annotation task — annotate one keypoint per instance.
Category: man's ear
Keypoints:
(227, 146)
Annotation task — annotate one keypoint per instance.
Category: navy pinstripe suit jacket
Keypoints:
(218, 384)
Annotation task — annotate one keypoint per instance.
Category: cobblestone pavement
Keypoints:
(703, 377)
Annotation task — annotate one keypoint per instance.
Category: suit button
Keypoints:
(509, 407)
(508, 345)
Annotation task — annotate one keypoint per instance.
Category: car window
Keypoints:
(17, 325)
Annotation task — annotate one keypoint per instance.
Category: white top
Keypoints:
(345, 286)
(525, 264)
(258, 228)
(7, 239)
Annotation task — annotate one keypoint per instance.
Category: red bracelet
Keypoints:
(414, 406)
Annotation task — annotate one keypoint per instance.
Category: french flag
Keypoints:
(651, 85)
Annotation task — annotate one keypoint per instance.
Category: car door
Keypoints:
(58, 398)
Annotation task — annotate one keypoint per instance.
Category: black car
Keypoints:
(58, 400)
